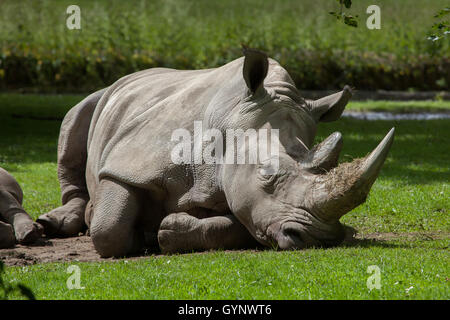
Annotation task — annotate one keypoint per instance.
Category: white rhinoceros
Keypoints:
(15, 224)
(117, 175)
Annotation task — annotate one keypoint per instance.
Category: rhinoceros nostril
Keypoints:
(293, 234)
(290, 237)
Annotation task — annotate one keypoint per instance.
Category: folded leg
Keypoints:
(113, 226)
(25, 229)
(181, 232)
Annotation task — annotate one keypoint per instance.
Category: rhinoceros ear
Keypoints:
(330, 108)
(255, 68)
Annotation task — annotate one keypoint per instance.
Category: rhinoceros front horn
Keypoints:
(347, 186)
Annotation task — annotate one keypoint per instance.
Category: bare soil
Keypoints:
(81, 249)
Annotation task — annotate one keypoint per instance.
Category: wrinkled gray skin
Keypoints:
(117, 176)
(15, 224)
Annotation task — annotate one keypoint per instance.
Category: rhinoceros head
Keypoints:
(300, 203)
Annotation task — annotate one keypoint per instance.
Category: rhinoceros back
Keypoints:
(130, 133)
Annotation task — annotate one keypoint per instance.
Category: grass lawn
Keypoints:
(411, 195)
(339, 273)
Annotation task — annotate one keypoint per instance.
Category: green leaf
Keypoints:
(348, 4)
(443, 12)
(351, 21)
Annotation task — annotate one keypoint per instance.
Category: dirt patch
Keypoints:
(51, 250)
(81, 249)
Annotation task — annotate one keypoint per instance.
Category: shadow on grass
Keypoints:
(370, 243)
(24, 141)
(399, 243)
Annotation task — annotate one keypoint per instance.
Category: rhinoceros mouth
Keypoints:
(303, 231)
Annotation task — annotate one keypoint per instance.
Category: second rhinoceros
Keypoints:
(118, 178)
(15, 223)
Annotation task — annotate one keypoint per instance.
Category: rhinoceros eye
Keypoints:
(268, 176)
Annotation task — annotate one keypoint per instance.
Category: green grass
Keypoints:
(339, 273)
(411, 195)
(400, 106)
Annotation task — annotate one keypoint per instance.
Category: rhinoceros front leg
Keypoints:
(68, 220)
(113, 229)
(181, 232)
(25, 229)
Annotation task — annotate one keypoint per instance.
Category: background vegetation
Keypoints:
(38, 52)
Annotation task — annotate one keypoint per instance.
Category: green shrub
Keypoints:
(38, 52)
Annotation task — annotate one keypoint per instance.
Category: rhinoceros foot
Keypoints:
(26, 231)
(7, 238)
(65, 221)
(178, 232)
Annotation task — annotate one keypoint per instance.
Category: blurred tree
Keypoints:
(344, 17)
(6, 289)
(440, 29)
